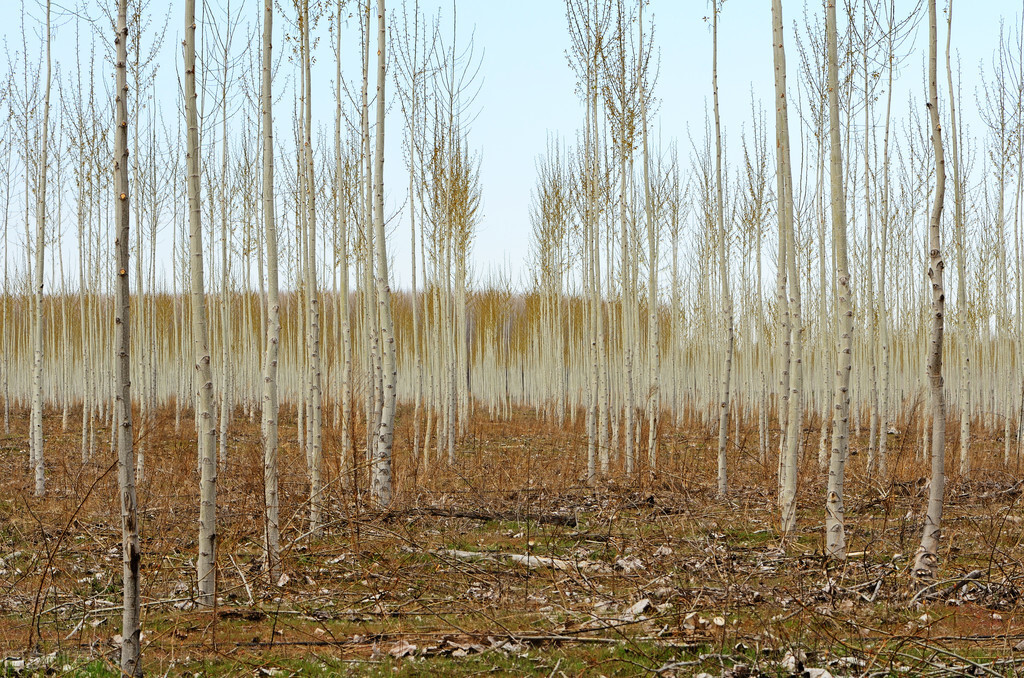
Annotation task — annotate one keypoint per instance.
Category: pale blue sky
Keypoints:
(528, 89)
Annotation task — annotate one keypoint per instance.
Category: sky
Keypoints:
(528, 92)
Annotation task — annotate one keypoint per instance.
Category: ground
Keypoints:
(507, 564)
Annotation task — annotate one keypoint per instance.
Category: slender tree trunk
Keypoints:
(926, 562)
(343, 189)
(382, 490)
(653, 235)
(871, 315)
(835, 535)
(788, 462)
(130, 552)
(270, 410)
(883, 271)
(963, 330)
(206, 563)
(225, 293)
(723, 269)
(315, 439)
(36, 424)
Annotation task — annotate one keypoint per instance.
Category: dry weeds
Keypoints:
(507, 563)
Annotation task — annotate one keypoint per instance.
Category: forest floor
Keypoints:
(651, 576)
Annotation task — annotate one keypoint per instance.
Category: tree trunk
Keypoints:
(269, 423)
(315, 405)
(206, 563)
(381, 466)
(36, 423)
(130, 553)
(926, 562)
(788, 460)
(835, 535)
(723, 269)
(963, 330)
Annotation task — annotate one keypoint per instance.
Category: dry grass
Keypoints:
(721, 589)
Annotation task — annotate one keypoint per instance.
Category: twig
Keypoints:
(53, 552)
(957, 583)
(248, 589)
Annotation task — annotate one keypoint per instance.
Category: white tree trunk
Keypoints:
(926, 562)
(835, 535)
(206, 562)
(788, 457)
(963, 329)
(723, 269)
(270, 410)
(36, 416)
(381, 466)
(315, 439)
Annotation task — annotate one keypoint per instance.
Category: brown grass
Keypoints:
(377, 579)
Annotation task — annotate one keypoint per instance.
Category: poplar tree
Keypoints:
(589, 22)
(130, 552)
(723, 265)
(203, 376)
(315, 407)
(5, 144)
(653, 238)
(36, 415)
(835, 536)
(789, 281)
(926, 561)
(413, 55)
(270, 410)
(962, 324)
(381, 462)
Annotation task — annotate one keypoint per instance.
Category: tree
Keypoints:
(926, 561)
(36, 422)
(723, 267)
(835, 536)
(790, 280)
(269, 421)
(589, 22)
(896, 32)
(414, 53)
(131, 631)
(308, 194)
(624, 71)
(381, 462)
(962, 324)
(203, 378)
(5, 144)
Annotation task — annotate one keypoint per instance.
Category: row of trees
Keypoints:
(650, 304)
(654, 358)
(789, 363)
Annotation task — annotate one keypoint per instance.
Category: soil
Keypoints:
(507, 563)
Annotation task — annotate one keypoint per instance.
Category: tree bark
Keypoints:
(269, 423)
(835, 534)
(723, 269)
(315, 439)
(788, 461)
(381, 466)
(130, 551)
(926, 562)
(36, 415)
(206, 562)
